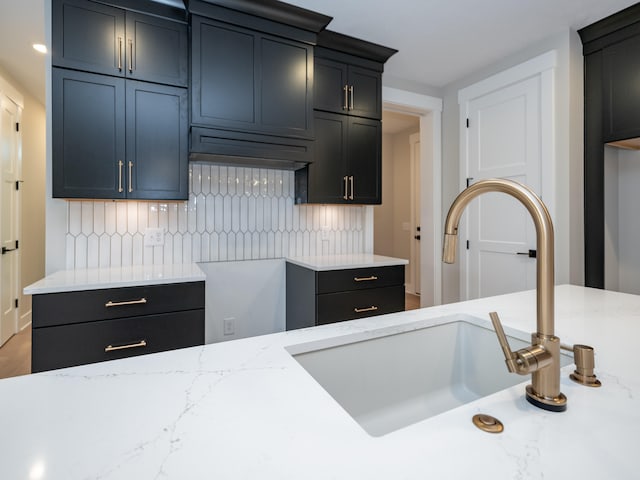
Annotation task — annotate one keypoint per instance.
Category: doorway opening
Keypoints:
(397, 220)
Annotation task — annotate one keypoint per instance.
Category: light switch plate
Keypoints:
(154, 237)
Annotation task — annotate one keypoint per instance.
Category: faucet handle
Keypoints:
(509, 356)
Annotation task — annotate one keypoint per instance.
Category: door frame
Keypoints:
(415, 209)
(429, 111)
(543, 66)
(14, 96)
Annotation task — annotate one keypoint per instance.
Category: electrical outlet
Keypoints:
(154, 237)
(229, 326)
(324, 233)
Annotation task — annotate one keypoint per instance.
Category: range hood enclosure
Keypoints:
(252, 82)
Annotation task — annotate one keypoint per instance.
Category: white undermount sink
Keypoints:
(397, 379)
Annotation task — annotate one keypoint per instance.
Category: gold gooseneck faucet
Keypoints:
(542, 358)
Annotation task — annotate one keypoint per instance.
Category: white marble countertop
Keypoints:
(346, 261)
(115, 277)
(246, 409)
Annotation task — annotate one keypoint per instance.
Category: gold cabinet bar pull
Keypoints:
(351, 97)
(130, 175)
(345, 106)
(120, 164)
(365, 279)
(372, 308)
(128, 302)
(130, 56)
(111, 348)
(119, 54)
(351, 192)
(346, 188)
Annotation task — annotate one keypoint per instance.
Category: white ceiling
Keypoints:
(439, 41)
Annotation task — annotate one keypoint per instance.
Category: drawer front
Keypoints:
(359, 278)
(90, 305)
(82, 343)
(336, 307)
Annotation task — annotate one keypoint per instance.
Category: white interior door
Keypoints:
(416, 228)
(504, 139)
(9, 165)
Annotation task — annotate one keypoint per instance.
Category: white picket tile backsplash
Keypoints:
(233, 213)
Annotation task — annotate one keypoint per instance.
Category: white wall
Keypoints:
(383, 214)
(32, 238)
(390, 236)
(622, 224)
(611, 227)
(32, 243)
(568, 219)
(250, 295)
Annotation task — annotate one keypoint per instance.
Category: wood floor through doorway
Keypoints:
(15, 355)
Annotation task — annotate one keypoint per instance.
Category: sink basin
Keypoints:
(397, 379)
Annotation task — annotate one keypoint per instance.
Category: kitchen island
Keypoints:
(246, 409)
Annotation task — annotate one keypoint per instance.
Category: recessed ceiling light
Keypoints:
(40, 47)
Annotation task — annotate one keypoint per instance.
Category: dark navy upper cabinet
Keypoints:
(99, 38)
(349, 89)
(346, 167)
(611, 49)
(621, 78)
(156, 142)
(120, 110)
(250, 81)
(116, 138)
(347, 163)
(88, 119)
(157, 50)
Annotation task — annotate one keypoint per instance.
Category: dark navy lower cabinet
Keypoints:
(321, 297)
(81, 327)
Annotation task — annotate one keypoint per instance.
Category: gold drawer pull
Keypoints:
(111, 348)
(365, 279)
(130, 302)
(372, 308)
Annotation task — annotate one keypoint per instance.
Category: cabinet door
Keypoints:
(330, 79)
(327, 174)
(88, 119)
(88, 36)
(224, 77)
(157, 136)
(286, 106)
(621, 79)
(156, 50)
(364, 156)
(365, 99)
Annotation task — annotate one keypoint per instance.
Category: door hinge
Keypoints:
(18, 182)
(16, 303)
(467, 244)
(469, 180)
(17, 127)
(467, 123)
